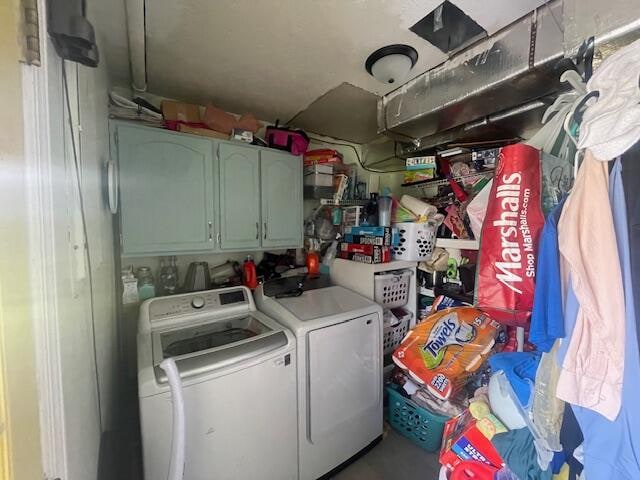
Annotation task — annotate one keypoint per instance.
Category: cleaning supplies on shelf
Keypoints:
(313, 263)
(129, 287)
(168, 280)
(329, 256)
(249, 276)
(146, 286)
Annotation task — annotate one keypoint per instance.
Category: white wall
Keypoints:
(89, 375)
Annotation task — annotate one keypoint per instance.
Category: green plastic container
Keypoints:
(422, 427)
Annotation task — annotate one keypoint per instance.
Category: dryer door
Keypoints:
(345, 386)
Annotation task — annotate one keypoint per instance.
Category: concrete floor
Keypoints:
(394, 458)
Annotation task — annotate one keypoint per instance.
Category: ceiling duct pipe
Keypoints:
(504, 71)
(137, 48)
(501, 87)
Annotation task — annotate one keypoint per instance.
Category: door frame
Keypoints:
(39, 107)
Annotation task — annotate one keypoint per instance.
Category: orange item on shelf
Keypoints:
(249, 275)
(313, 263)
(323, 155)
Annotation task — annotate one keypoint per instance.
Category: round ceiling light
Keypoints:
(391, 64)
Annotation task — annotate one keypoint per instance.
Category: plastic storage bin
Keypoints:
(318, 175)
(417, 241)
(392, 289)
(392, 335)
(422, 427)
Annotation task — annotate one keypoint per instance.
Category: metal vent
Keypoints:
(449, 28)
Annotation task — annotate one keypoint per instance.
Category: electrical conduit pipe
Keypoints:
(137, 45)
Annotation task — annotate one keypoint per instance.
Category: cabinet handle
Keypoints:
(265, 230)
(210, 231)
(257, 230)
(218, 238)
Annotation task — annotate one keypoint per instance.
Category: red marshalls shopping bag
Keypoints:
(510, 233)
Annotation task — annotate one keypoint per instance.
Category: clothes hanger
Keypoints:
(580, 108)
(575, 80)
(575, 115)
(585, 57)
(559, 105)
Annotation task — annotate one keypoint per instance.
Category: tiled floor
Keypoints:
(394, 458)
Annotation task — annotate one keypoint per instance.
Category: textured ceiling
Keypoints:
(275, 57)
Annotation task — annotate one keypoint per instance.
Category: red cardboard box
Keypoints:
(365, 253)
(462, 441)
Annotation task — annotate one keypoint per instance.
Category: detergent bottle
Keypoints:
(249, 275)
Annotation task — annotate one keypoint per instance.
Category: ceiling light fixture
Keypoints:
(392, 63)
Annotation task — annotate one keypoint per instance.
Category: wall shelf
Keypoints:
(457, 243)
(436, 182)
(342, 203)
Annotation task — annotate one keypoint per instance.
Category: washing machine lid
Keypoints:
(324, 302)
(220, 343)
(210, 335)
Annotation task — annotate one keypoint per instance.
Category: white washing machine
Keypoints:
(339, 350)
(238, 370)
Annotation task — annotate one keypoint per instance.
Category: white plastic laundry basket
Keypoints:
(392, 336)
(392, 289)
(417, 241)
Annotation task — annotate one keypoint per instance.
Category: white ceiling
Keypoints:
(275, 57)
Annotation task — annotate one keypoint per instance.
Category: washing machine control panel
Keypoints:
(198, 302)
(166, 307)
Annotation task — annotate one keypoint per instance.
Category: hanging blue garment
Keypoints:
(612, 449)
(631, 180)
(547, 323)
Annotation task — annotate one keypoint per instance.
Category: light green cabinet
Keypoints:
(281, 184)
(239, 196)
(186, 194)
(166, 191)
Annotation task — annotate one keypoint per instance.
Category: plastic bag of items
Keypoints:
(443, 350)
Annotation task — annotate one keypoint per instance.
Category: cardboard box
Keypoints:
(387, 233)
(421, 163)
(318, 168)
(319, 175)
(412, 176)
(381, 241)
(365, 253)
(463, 441)
(322, 156)
(181, 112)
(240, 135)
(205, 132)
(489, 156)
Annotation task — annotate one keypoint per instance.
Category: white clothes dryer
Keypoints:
(339, 351)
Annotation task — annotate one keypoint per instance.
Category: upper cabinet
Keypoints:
(166, 191)
(281, 182)
(239, 196)
(181, 193)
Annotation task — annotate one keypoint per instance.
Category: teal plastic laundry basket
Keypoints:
(422, 427)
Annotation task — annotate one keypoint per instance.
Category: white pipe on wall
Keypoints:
(178, 448)
(137, 48)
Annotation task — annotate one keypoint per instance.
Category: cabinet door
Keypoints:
(166, 190)
(281, 180)
(239, 197)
